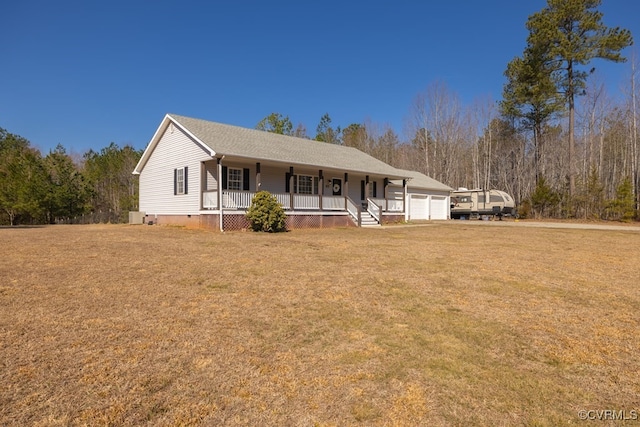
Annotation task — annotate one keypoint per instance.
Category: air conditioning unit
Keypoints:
(136, 217)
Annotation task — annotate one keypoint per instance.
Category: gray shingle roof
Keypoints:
(420, 180)
(234, 141)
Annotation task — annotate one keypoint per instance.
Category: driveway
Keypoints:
(635, 227)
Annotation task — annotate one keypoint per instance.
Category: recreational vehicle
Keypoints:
(476, 203)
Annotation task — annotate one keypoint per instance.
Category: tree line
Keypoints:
(556, 141)
(55, 188)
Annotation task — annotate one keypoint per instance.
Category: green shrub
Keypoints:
(524, 209)
(544, 200)
(266, 214)
(622, 208)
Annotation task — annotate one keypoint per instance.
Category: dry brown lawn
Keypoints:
(443, 324)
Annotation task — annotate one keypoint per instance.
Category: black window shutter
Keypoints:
(362, 187)
(245, 179)
(375, 189)
(224, 177)
(175, 182)
(287, 187)
(186, 180)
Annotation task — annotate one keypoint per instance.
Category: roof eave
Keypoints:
(156, 138)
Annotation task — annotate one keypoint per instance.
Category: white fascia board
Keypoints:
(202, 145)
(151, 145)
(156, 138)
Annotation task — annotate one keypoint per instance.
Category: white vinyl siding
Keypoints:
(272, 179)
(211, 176)
(394, 193)
(354, 187)
(175, 150)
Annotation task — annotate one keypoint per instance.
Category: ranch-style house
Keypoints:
(204, 174)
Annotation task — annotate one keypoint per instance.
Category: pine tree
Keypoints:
(568, 35)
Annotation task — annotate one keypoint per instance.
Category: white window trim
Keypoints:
(229, 180)
(314, 184)
(180, 181)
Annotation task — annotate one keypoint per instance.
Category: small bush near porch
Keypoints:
(266, 214)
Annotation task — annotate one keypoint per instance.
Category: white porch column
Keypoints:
(404, 197)
(220, 191)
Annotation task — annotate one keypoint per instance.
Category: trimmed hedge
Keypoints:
(266, 214)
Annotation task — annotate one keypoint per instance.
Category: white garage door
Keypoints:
(418, 207)
(439, 208)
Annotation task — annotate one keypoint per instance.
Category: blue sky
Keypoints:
(87, 73)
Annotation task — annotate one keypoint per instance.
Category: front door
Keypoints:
(336, 186)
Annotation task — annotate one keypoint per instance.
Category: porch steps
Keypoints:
(367, 220)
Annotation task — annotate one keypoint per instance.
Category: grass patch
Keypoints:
(448, 324)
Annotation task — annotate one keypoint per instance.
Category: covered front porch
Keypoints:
(229, 189)
(234, 202)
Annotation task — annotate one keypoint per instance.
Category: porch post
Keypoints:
(346, 184)
(258, 182)
(345, 189)
(366, 187)
(203, 184)
(291, 181)
(320, 187)
(220, 191)
(404, 196)
(386, 197)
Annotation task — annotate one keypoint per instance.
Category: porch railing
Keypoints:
(210, 199)
(306, 201)
(374, 209)
(354, 211)
(395, 205)
(333, 203)
(392, 205)
(237, 199)
(284, 199)
(241, 200)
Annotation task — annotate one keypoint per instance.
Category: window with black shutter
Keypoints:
(234, 179)
(180, 177)
(245, 179)
(302, 184)
(186, 180)
(224, 178)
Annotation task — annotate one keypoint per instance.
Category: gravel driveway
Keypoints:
(543, 224)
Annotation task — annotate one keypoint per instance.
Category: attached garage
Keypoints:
(426, 198)
(439, 207)
(428, 206)
(418, 206)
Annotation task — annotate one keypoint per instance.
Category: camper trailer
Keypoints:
(478, 203)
